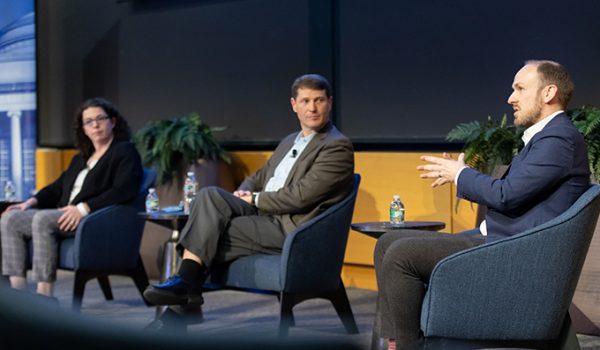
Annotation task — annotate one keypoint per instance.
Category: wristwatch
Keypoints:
(254, 195)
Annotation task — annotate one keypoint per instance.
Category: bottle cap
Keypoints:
(151, 189)
(190, 173)
(396, 197)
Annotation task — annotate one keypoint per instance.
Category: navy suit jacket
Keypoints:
(542, 181)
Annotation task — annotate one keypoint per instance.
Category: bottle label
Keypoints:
(396, 216)
(152, 204)
(189, 193)
(189, 188)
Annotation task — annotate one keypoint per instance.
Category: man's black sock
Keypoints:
(192, 272)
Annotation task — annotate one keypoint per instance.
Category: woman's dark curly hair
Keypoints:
(121, 131)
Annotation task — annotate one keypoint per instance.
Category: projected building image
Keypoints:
(17, 98)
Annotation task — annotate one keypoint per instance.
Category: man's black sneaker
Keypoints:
(174, 291)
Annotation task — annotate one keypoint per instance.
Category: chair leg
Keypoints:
(81, 279)
(340, 302)
(295, 301)
(140, 278)
(105, 286)
(568, 338)
(286, 317)
(338, 298)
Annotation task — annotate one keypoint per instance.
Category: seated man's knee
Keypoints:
(209, 195)
(389, 238)
(209, 191)
(382, 246)
(405, 253)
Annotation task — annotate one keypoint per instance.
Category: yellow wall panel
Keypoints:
(464, 214)
(50, 163)
(383, 175)
(244, 163)
(67, 156)
(48, 166)
(358, 276)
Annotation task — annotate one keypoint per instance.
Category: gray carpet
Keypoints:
(239, 314)
(227, 313)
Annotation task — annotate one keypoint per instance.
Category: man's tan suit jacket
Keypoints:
(322, 176)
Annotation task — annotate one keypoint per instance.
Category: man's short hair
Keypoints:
(313, 82)
(553, 73)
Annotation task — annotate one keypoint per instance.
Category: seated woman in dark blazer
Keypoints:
(107, 171)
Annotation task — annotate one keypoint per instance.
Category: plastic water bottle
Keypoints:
(9, 191)
(396, 211)
(189, 191)
(152, 201)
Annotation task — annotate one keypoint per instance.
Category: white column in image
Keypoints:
(16, 149)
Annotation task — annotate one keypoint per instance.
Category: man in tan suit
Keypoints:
(308, 172)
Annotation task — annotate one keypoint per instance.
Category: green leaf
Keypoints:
(587, 120)
(487, 144)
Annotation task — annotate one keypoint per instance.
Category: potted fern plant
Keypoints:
(587, 120)
(173, 147)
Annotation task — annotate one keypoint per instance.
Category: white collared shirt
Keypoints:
(528, 134)
(277, 181)
(79, 183)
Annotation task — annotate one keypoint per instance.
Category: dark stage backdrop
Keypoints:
(403, 72)
(412, 70)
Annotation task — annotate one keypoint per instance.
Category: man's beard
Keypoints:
(531, 116)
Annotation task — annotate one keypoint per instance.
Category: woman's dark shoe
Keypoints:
(174, 291)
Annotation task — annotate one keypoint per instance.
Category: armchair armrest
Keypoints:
(108, 239)
(314, 253)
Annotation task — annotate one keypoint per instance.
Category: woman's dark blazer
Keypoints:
(114, 179)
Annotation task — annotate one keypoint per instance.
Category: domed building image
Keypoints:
(18, 105)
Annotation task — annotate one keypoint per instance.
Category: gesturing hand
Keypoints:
(443, 169)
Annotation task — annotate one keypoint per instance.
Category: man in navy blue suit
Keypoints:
(543, 180)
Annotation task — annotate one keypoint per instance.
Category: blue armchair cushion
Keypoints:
(250, 272)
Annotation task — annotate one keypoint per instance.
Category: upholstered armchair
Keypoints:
(309, 266)
(515, 291)
(107, 242)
